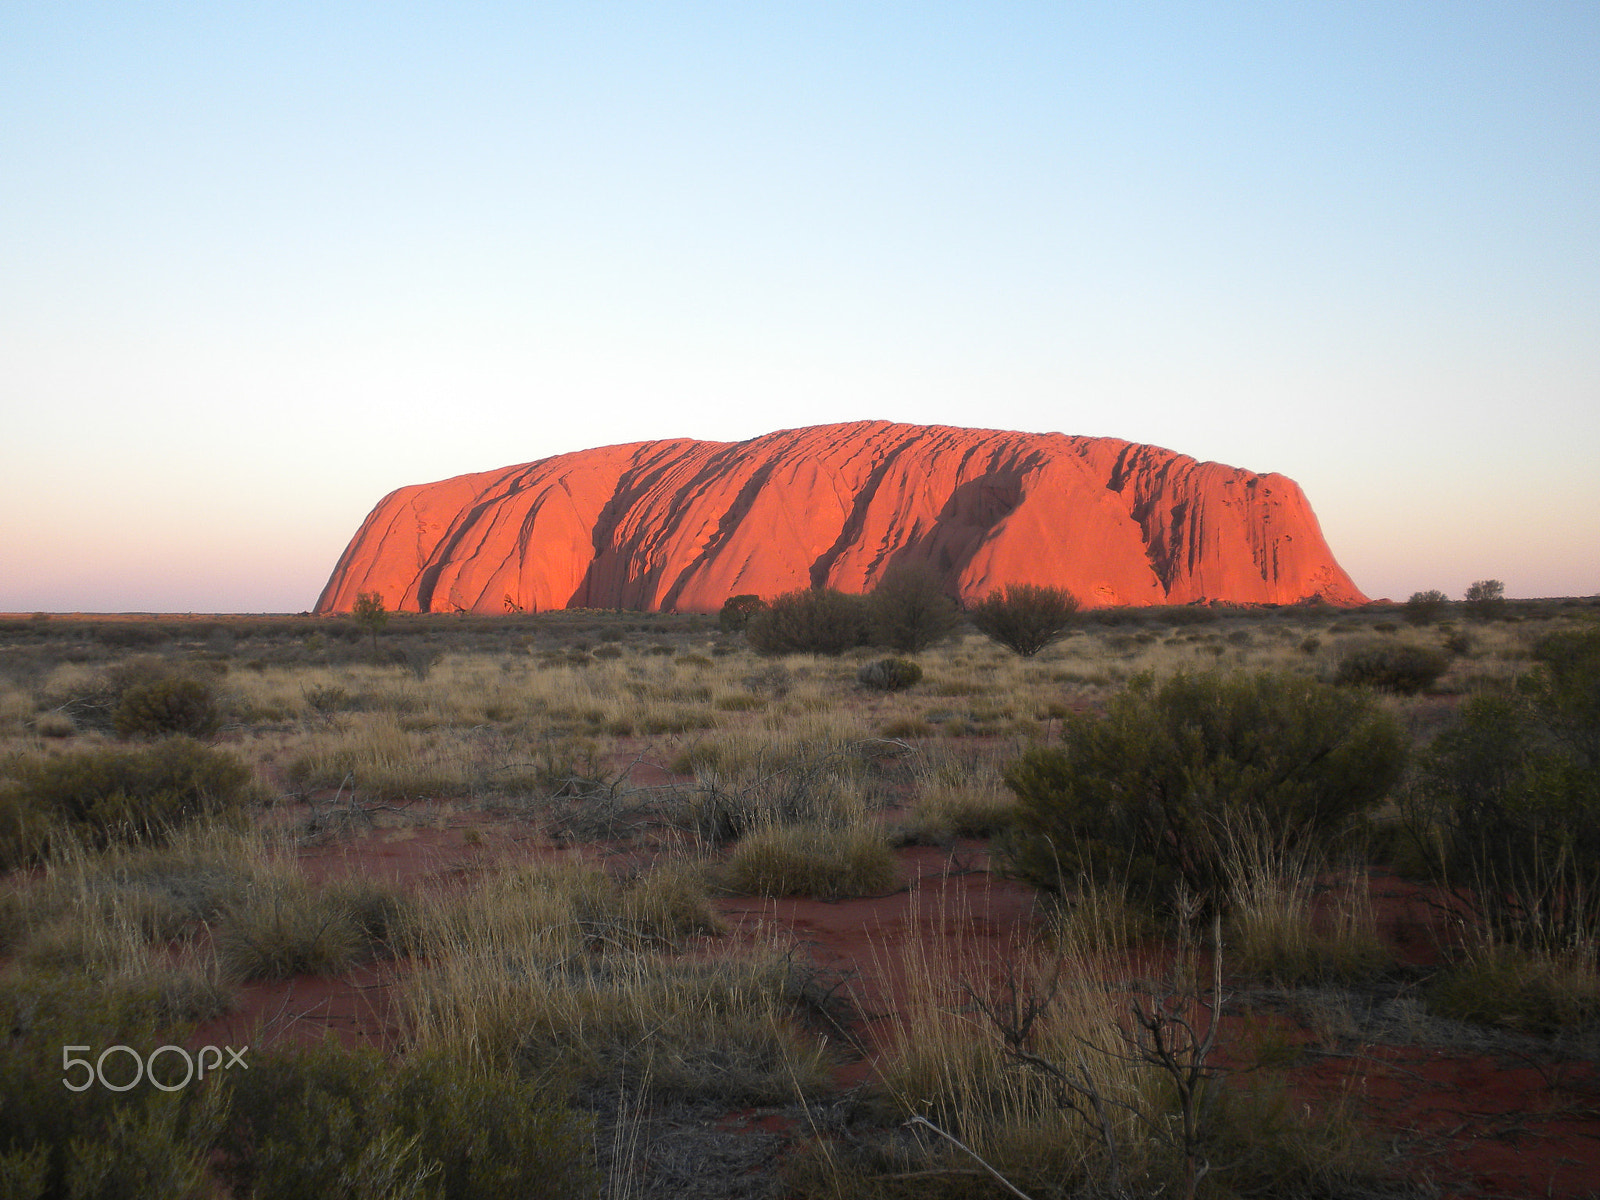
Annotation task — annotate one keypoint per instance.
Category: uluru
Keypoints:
(680, 525)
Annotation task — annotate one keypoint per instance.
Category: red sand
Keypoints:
(1476, 1125)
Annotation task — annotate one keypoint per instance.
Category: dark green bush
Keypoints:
(1423, 608)
(812, 621)
(911, 611)
(103, 796)
(1507, 805)
(124, 634)
(309, 1124)
(1186, 614)
(1398, 667)
(370, 612)
(167, 705)
(889, 674)
(737, 611)
(96, 1143)
(1025, 618)
(1486, 599)
(1155, 790)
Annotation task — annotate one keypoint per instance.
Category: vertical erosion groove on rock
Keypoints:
(681, 525)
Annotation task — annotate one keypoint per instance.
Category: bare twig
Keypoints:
(968, 1150)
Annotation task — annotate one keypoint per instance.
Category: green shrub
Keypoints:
(812, 621)
(173, 704)
(369, 610)
(910, 610)
(1025, 618)
(889, 674)
(737, 611)
(1531, 992)
(1486, 599)
(96, 1143)
(326, 1121)
(1186, 614)
(124, 634)
(1398, 667)
(1423, 608)
(1507, 805)
(102, 796)
(1155, 789)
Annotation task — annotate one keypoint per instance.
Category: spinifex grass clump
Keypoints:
(1152, 789)
(571, 977)
(956, 796)
(1276, 931)
(830, 862)
(1531, 991)
(1054, 1071)
(288, 927)
(889, 674)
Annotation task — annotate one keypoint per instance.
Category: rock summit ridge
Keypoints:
(680, 525)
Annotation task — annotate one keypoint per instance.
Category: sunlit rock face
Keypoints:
(679, 526)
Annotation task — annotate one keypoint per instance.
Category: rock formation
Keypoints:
(681, 525)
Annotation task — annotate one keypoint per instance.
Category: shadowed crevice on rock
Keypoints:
(681, 525)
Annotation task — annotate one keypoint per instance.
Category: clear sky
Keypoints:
(262, 263)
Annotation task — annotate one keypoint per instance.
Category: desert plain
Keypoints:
(606, 903)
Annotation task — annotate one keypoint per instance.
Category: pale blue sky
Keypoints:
(261, 264)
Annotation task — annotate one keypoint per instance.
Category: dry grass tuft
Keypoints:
(286, 928)
(1278, 933)
(830, 862)
(573, 977)
(1536, 992)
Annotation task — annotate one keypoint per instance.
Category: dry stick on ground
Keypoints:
(1171, 1043)
(973, 1154)
(1015, 1021)
(1160, 1038)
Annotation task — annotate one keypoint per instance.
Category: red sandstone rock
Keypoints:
(682, 525)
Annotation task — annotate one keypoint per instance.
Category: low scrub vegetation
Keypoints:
(1506, 808)
(100, 796)
(331, 1121)
(1156, 786)
(830, 862)
(1530, 991)
(569, 977)
(172, 704)
(588, 977)
(910, 611)
(812, 621)
(1399, 667)
(889, 675)
(1025, 618)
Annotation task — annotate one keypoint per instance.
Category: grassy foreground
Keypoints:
(564, 1012)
